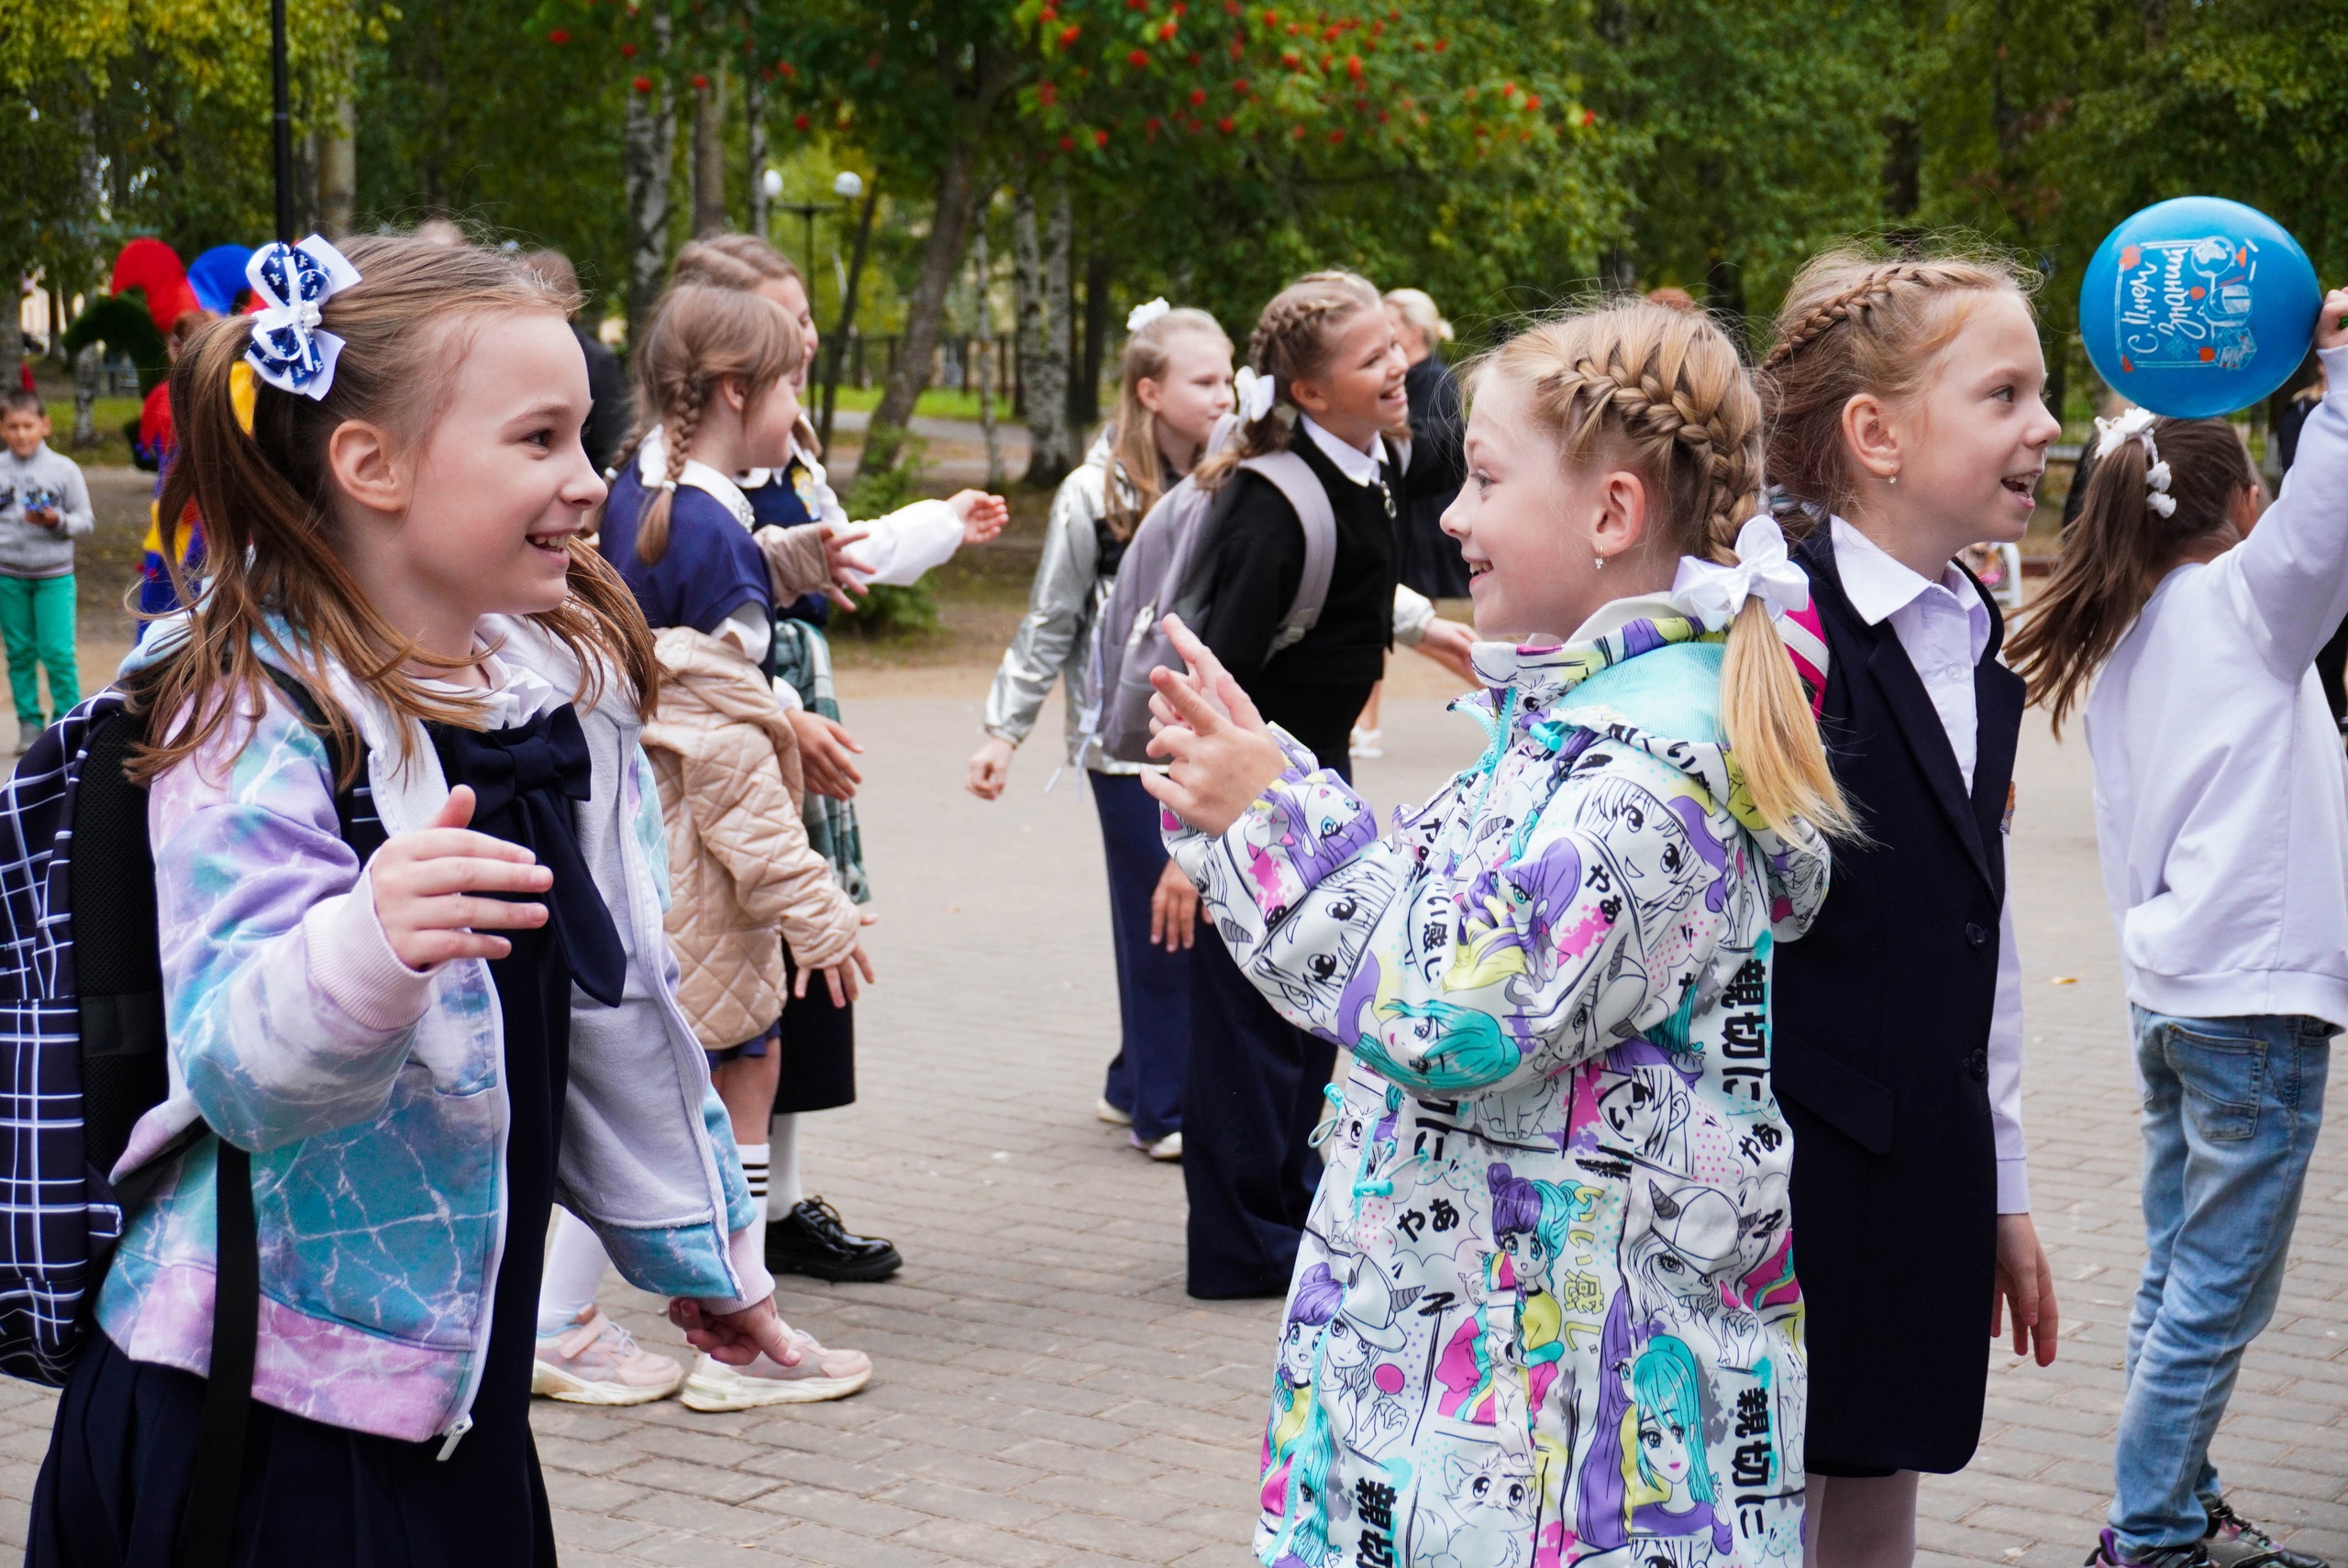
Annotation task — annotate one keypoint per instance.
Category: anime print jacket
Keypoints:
(377, 1129)
(1545, 1312)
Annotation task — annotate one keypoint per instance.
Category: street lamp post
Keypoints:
(281, 121)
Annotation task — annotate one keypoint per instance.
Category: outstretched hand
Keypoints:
(1222, 753)
(846, 586)
(825, 749)
(2027, 1285)
(983, 516)
(429, 885)
(736, 1338)
(840, 976)
(2331, 321)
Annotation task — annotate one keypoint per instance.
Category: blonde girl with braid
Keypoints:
(1551, 1243)
(1323, 382)
(1174, 392)
(1905, 425)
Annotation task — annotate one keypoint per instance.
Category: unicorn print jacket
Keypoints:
(371, 1095)
(1545, 1312)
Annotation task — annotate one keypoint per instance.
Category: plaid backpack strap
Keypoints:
(56, 1218)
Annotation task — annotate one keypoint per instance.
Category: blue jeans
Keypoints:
(2232, 1106)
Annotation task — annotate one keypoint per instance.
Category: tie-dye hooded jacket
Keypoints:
(372, 1100)
(1545, 1312)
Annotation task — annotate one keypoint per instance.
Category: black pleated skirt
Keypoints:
(114, 1487)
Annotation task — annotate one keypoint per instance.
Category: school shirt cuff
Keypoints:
(2013, 1186)
(352, 963)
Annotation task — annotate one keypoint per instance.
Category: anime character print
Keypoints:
(1545, 1312)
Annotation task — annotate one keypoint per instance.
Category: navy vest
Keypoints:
(1881, 1057)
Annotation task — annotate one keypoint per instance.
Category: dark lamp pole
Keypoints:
(281, 121)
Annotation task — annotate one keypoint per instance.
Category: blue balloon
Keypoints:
(2197, 307)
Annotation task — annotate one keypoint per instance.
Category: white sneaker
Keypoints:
(1369, 743)
(1167, 1148)
(1111, 1114)
(820, 1375)
(597, 1362)
(28, 732)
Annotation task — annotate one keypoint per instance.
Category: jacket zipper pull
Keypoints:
(456, 1435)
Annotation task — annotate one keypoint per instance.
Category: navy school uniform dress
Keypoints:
(817, 1040)
(314, 1494)
(1253, 1093)
(1883, 1013)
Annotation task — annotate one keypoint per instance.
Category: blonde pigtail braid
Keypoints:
(1664, 392)
(652, 531)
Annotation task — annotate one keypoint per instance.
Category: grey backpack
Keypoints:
(1128, 641)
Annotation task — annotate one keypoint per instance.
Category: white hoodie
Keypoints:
(2221, 792)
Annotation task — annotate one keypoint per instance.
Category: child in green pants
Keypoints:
(44, 507)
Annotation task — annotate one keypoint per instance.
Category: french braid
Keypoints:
(702, 337)
(1856, 323)
(1663, 393)
(1293, 338)
(1643, 381)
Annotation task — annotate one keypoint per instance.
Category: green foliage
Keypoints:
(121, 117)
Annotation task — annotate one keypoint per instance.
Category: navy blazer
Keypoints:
(1881, 1056)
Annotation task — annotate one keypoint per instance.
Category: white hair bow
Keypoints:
(1141, 315)
(1254, 393)
(1711, 594)
(289, 351)
(2136, 424)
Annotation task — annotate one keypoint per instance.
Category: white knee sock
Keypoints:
(783, 1191)
(574, 1267)
(754, 1171)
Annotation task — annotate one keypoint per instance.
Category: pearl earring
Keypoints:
(1601, 563)
(1893, 480)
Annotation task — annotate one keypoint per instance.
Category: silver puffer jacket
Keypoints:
(1054, 637)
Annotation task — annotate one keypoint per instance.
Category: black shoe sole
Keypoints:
(839, 1274)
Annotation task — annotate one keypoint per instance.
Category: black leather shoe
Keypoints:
(811, 1240)
(2232, 1541)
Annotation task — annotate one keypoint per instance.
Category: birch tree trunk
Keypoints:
(337, 170)
(754, 111)
(985, 355)
(1045, 316)
(647, 155)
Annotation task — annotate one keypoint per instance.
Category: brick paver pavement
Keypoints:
(1049, 1398)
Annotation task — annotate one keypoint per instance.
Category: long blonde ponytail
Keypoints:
(1664, 392)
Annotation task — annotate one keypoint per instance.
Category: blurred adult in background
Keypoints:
(607, 419)
(1431, 559)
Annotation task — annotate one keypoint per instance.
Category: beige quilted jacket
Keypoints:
(739, 868)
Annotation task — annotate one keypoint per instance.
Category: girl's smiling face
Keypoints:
(1967, 448)
(1531, 528)
(1358, 393)
(494, 490)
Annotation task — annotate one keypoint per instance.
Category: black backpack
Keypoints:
(82, 1004)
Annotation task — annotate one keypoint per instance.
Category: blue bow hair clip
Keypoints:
(289, 351)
